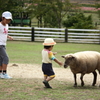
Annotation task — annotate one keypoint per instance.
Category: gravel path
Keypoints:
(34, 71)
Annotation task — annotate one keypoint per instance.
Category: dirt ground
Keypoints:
(34, 71)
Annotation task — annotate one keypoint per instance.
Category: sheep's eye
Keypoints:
(70, 58)
(66, 62)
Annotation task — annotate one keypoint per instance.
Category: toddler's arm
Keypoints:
(60, 63)
(54, 53)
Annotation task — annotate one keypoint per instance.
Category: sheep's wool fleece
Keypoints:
(88, 55)
(87, 61)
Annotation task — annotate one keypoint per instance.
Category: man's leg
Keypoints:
(5, 61)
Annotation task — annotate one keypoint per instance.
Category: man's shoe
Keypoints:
(6, 76)
(1, 75)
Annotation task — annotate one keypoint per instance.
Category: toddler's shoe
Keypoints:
(47, 84)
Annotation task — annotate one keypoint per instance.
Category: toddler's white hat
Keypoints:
(7, 15)
(49, 42)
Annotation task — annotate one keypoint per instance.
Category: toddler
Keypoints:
(47, 57)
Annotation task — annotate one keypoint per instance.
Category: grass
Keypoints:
(32, 89)
(30, 52)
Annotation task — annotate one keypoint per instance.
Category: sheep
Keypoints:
(84, 62)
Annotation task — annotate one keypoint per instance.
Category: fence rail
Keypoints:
(59, 34)
(20, 33)
(84, 36)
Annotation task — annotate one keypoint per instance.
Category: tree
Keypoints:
(97, 5)
(49, 12)
(13, 6)
(78, 21)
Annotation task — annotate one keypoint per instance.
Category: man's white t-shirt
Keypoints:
(3, 34)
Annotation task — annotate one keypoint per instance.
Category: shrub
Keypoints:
(78, 21)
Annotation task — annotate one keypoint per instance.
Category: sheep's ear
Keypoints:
(72, 57)
(63, 56)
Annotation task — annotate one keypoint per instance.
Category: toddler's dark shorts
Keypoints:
(47, 69)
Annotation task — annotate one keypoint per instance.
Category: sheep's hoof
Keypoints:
(75, 86)
(82, 84)
(93, 84)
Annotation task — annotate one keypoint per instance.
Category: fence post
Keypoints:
(32, 36)
(66, 35)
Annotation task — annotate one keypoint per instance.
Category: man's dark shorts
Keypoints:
(3, 55)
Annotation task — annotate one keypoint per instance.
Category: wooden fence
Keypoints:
(58, 34)
(84, 36)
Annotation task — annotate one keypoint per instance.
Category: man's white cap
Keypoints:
(49, 42)
(7, 15)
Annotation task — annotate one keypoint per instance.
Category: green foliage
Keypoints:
(49, 12)
(99, 13)
(13, 6)
(6, 5)
(87, 5)
(97, 5)
(78, 21)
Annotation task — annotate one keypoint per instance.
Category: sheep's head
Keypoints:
(69, 58)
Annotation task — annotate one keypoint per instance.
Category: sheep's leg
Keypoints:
(75, 84)
(95, 78)
(99, 74)
(81, 78)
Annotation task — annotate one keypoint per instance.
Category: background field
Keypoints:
(30, 52)
(24, 88)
